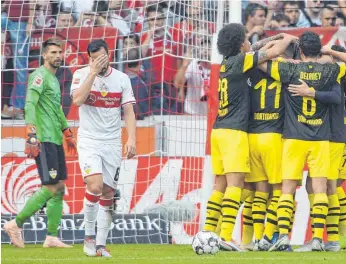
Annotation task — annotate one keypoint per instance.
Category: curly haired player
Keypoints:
(45, 127)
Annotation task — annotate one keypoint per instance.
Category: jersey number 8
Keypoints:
(223, 96)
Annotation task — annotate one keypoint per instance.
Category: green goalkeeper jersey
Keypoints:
(43, 108)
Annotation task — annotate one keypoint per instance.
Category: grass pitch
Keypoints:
(160, 254)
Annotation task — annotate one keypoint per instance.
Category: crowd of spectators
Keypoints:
(165, 45)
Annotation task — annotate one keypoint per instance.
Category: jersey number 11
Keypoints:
(263, 85)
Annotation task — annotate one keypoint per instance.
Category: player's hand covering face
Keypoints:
(99, 63)
(130, 148)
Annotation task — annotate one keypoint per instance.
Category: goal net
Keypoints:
(165, 47)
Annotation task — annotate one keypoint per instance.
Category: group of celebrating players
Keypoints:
(281, 105)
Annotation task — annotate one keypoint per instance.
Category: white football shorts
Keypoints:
(100, 158)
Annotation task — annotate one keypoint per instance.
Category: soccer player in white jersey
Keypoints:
(100, 91)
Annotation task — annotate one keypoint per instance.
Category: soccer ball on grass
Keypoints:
(205, 242)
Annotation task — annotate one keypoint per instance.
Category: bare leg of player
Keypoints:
(91, 207)
(104, 221)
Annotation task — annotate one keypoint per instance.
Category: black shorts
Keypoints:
(51, 163)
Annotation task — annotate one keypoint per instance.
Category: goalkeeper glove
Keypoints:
(32, 145)
(70, 142)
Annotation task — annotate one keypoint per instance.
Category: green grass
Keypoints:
(157, 254)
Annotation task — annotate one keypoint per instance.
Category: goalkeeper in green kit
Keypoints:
(46, 126)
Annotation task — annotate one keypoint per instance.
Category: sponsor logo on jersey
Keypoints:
(105, 100)
(53, 173)
(76, 81)
(37, 81)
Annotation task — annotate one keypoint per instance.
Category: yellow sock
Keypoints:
(259, 208)
(213, 211)
(332, 222)
(272, 220)
(245, 193)
(311, 200)
(320, 212)
(247, 233)
(218, 228)
(230, 208)
(269, 200)
(284, 213)
(342, 200)
(292, 216)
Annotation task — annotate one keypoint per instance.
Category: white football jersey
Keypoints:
(100, 115)
(193, 75)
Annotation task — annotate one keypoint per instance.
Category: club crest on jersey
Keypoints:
(37, 81)
(53, 173)
(104, 90)
(76, 81)
(87, 169)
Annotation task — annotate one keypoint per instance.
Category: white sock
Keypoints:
(104, 221)
(91, 207)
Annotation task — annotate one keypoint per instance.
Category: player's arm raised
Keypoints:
(35, 87)
(180, 77)
(260, 44)
(328, 97)
(80, 94)
(341, 56)
(273, 50)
